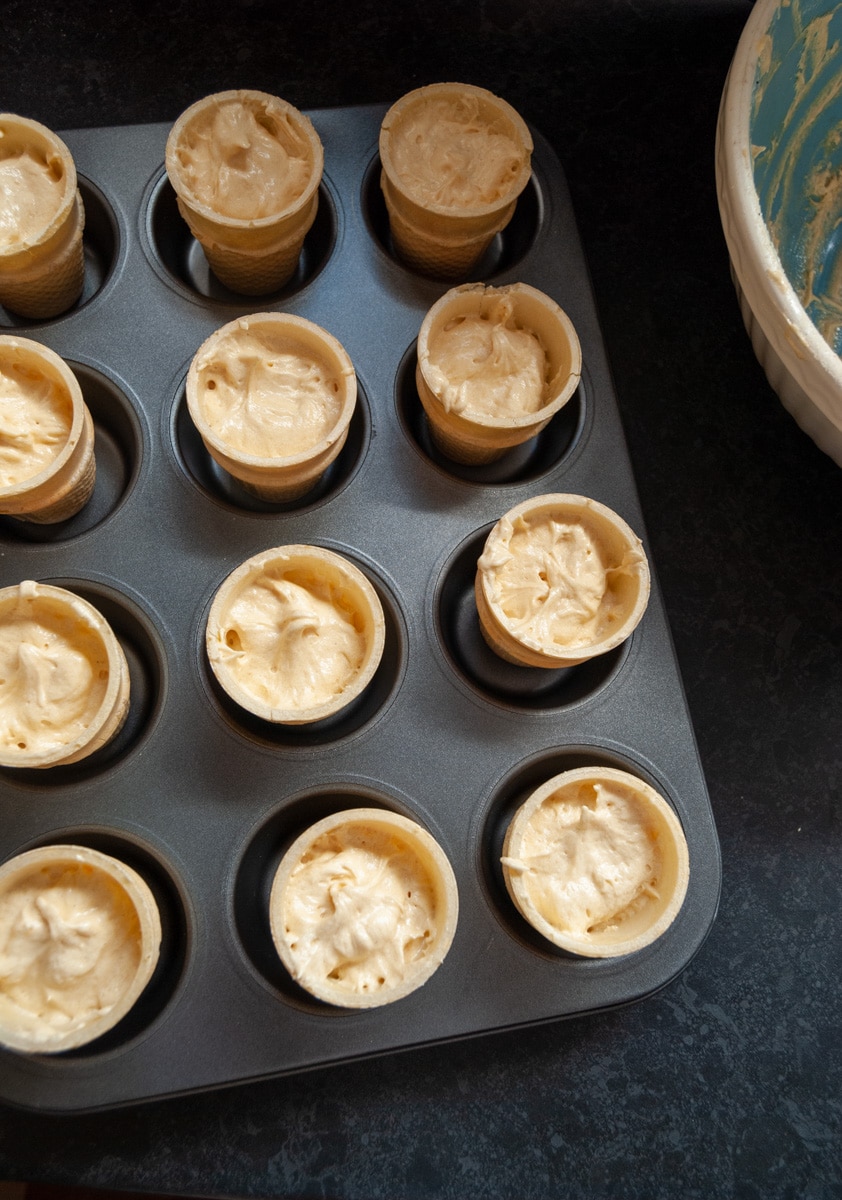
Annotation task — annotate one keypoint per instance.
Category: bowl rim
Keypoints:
(813, 364)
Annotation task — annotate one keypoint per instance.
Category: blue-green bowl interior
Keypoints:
(796, 138)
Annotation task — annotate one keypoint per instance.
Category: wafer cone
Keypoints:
(49, 1010)
(253, 251)
(56, 491)
(291, 464)
(309, 592)
(42, 263)
(481, 435)
(543, 562)
(439, 223)
(40, 733)
(549, 848)
(395, 866)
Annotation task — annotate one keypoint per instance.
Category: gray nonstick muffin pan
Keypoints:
(200, 797)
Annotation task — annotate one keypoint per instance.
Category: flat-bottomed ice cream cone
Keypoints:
(42, 218)
(455, 158)
(295, 634)
(562, 579)
(272, 396)
(47, 461)
(494, 367)
(81, 936)
(66, 684)
(246, 168)
(385, 911)
(597, 862)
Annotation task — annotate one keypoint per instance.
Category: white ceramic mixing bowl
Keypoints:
(779, 188)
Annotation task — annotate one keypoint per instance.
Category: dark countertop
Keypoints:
(729, 1081)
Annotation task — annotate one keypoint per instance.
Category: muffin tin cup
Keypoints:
(203, 797)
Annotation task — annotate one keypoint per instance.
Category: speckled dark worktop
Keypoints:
(728, 1083)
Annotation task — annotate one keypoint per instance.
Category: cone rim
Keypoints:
(656, 807)
(410, 99)
(212, 215)
(69, 189)
(431, 858)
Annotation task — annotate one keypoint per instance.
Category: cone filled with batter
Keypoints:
(495, 364)
(562, 578)
(246, 167)
(295, 634)
(47, 462)
(65, 687)
(42, 218)
(272, 396)
(363, 908)
(596, 860)
(80, 934)
(455, 158)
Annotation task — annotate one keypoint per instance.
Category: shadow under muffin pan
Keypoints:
(446, 734)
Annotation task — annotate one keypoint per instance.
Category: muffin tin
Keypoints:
(200, 797)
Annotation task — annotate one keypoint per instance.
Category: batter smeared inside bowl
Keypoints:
(797, 154)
